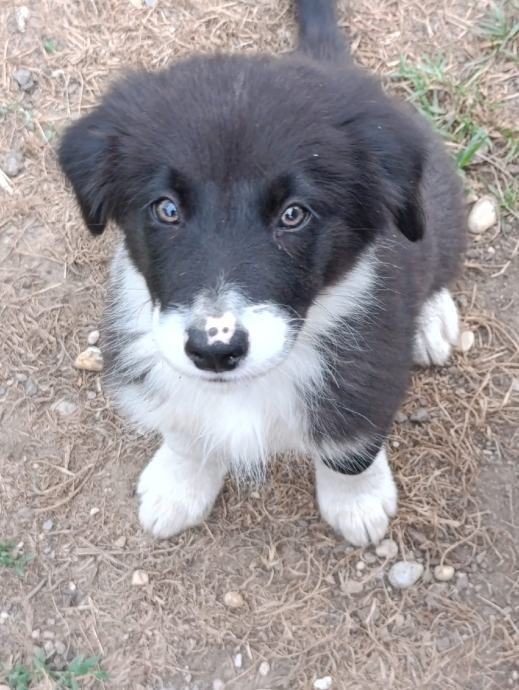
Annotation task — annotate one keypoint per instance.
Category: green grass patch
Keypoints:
(11, 558)
(80, 669)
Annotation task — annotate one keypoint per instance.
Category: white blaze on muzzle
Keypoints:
(220, 329)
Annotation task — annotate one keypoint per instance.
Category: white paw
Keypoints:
(176, 492)
(358, 506)
(437, 330)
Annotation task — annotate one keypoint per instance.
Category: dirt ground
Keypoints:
(68, 465)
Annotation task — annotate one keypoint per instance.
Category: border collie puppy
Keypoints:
(289, 233)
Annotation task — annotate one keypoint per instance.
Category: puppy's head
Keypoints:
(244, 187)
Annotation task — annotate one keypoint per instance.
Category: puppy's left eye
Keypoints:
(293, 217)
(166, 211)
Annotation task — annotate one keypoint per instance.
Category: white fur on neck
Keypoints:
(241, 422)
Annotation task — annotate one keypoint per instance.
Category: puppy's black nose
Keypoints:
(209, 353)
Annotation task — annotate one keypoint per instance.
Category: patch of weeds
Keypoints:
(70, 678)
(50, 46)
(445, 104)
(499, 29)
(11, 558)
(20, 678)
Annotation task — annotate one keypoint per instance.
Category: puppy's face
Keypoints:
(244, 188)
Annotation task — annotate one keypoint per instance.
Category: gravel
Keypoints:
(90, 359)
(64, 408)
(387, 549)
(324, 683)
(13, 163)
(233, 600)
(483, 215)
(404, 574)
(23, 77)
(444, 573)
(420, 416)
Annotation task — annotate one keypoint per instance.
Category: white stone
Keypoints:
(264, 668)
(22, 15)
(404, 574)
(140, 578)
(93, 337)
(90, 359)
(94, 511)
(120, 543)
(483, 215)
(233, 600)
(324, 683)
(466, 341)
(238, 661)
(64, 407)
(444, 573)
(218, 684)
(387, 549)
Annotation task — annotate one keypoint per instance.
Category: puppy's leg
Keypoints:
(358, 506)
(177, 490)
(437, 330)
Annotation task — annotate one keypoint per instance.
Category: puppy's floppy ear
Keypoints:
(87, 155)
(394, 144)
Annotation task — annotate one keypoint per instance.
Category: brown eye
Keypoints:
(166, 211)
(293, 217)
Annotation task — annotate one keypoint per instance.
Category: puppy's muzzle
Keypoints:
(215, 347)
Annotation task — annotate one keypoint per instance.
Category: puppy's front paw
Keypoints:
(175, 494)
(360, 506)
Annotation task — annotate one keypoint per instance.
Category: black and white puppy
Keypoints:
(289, 232)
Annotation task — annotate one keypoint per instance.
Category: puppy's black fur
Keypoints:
(233, 139)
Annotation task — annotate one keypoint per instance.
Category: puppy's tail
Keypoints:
(319, 35)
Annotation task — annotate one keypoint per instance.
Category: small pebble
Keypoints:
(462, 581)
(420, 416)
(360, 565)
(120, 542)
(12, 164)
(48, 647)
(23, 77)
(48, 525)
(47, 635)
(444, 573)
(352, 587)
(22, 15)
(35, 634)
(30, 387)
(264, 668)
(404, 574)
(94, 511)
(324, 683)
(91, 395)
(93, 337)
(140, 578)
(90, 359)
(233, 600)
(515, 675)
(483, 215)
(218, 684)
(60, 647)
(387, 549)
(466, 341)
(400, 417)
(238, 661)
(64, 407)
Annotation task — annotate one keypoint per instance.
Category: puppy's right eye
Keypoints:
(166, 211)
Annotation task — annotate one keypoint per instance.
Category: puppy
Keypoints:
(289, 233)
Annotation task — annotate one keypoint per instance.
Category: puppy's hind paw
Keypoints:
(437, 330)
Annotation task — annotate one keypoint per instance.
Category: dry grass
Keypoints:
(456, 472)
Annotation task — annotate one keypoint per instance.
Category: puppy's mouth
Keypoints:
(242, 375)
